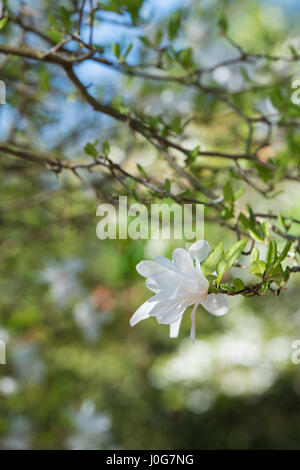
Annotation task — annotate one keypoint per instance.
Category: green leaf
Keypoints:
(275, 273)
(52, 20)
(281, 220)
(176, 125)
(116, 50)
(226, 286)
(251, 215)
(213, 259)
(158, 37)
(254, 255)
(44, 79)
(239, 193)
(145, 41)
(238, 284)
(258, 268)
(228, 193)
(192, 155)
(256, 236)
(265, 229)
(294, 53)
(271, 253)
(281, 169)
(105, 147)
(286, 222)
(212, 284)
(286, 274)
(228, 196)
(55, 36)
(223, 24)
(118, 103)
(249, 222)
(236, 249)
(65, 15)
(264, 172)
(131, 184)
(244, 221)
(167, 186)
(142, 171)
(128, 50)
(230, 257)
(3, 22)
(210, 277)
(245, 75)
(185, 57)
(174, 25)
(91, 150)
(284, 252)
(265, 287)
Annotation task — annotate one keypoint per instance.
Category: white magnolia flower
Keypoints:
(178, 284)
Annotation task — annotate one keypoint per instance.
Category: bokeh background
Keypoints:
(77, 376)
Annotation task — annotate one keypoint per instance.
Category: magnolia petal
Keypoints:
(142, 312)
(216, 304)
(168, 312)
(167, 263)
(168, 280)
(152, 285)
(199, 250)
(184, 263)
(192, 290)
(157, 297)
(149, 268)
(174, 328)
